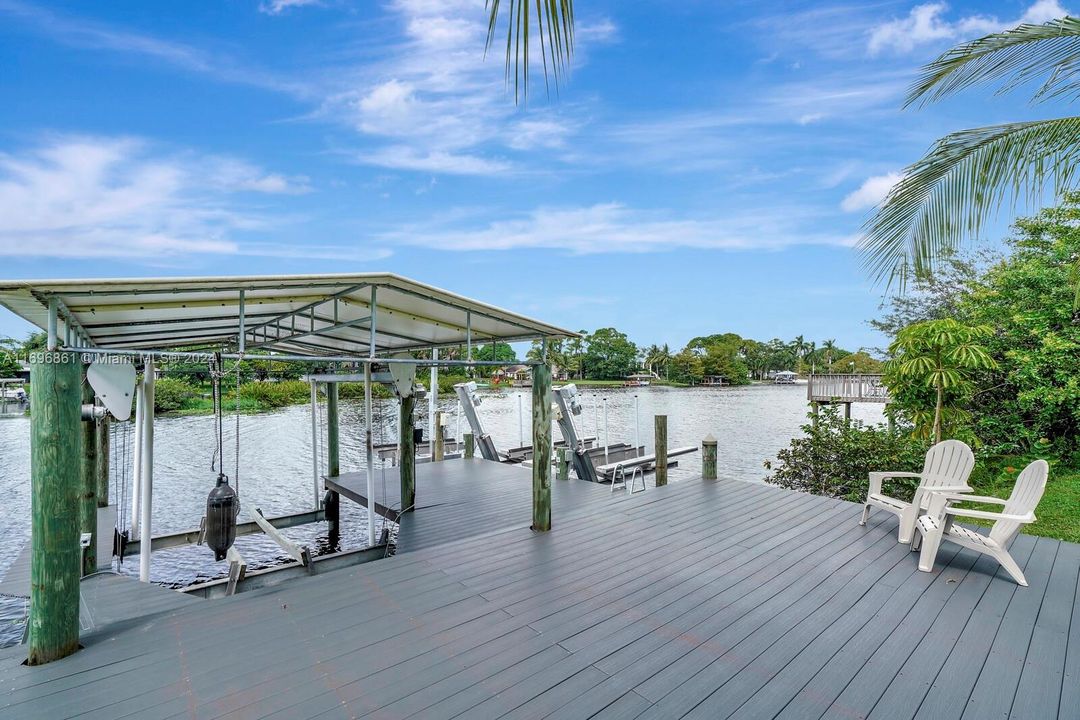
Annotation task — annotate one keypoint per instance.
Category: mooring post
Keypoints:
(541, 437)
(563, 464)
(660, 442)
(407, 460)
(331, 502)
(101, 431)
(88, 504)
(55, 381)
(708, 457)
(438, 451)
(470, 446)
(333, 451)
(847, 412)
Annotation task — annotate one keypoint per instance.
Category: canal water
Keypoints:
(275, 474)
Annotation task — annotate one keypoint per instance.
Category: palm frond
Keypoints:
(554, 21)
(1014, 57)
(960, 183)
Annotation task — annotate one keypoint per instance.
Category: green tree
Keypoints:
(9, 364)
(942, 355)
(493, 351)
(609, 355)
(950, 192)
(1033, 398)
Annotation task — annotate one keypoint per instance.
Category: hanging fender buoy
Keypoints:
(222, 507)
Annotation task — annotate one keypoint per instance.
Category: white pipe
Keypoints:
(370, 457)
(136, 460)
(147, 474)
(637, 426)
(315, 440)
(521, 425)
(606, 438)
(433, 403)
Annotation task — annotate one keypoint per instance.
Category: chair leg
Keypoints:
(865, 514)
(916, 541)
(1007, 562)
(930, 543)
(907, 524)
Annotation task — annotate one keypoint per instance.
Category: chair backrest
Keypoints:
(1025, 497)
(948, 464)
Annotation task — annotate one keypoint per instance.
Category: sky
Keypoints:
(705, 167)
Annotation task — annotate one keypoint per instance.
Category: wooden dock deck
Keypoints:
(458, 499)
(717, 599)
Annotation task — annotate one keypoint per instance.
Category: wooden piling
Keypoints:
(438, 451)
(333, 434)
(563, 464)
(470, 446)
(101, 430)
(541, 440)
(708, 458)
(407, 461)
(660, 443)
(88, 482)
(55, 381)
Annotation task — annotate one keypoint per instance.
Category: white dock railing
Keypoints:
(859, 387)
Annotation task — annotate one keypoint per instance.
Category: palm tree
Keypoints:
(554, 27)
(948, 194)
(828, 347)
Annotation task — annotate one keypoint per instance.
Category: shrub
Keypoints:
(835, 457)
(172, 394)
(276, 394)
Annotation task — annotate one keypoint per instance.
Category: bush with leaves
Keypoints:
(172, 394)
(835, 457)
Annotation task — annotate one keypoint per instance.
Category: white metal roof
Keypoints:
(295, 314)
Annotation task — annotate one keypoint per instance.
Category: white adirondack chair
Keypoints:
(947, 467)
(937, 524)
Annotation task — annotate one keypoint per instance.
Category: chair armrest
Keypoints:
(986, 515)
(877, 478)
(953, 496)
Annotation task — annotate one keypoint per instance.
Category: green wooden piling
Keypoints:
(88, 482)
(55, 380)
(407, 461)
(436, 444)
(708, 458)
(333, 435)
(660, 428)
(563, 464)
(470, 446)
(541, 440)
(101, 430)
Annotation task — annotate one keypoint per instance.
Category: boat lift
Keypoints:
(601, 464)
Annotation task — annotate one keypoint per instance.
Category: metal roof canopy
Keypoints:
(303, 317)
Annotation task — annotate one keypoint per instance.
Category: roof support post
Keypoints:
(54, 524)
(433, 403)
(136, 459)
(54, 311)
(541, 437)
(368, 445)
(315, 440)
(333, 453)
(242, 341)
(88, 503)
(374, 322)
(147, 474)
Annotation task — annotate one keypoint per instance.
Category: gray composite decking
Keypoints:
(700, 599)
(458, 499)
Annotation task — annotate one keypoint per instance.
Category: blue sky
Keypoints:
(706, 168)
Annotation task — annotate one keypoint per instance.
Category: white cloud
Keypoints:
(613, 227)
(122, 198)
(870, 193)
(927, 24)
(404, 157)
(276, 7)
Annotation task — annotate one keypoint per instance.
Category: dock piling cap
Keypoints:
(709, 440)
